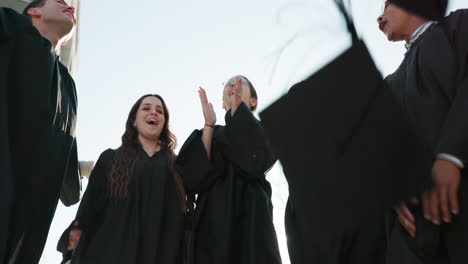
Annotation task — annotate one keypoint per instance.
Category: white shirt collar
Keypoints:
(418, 32)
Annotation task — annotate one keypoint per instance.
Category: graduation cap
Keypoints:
(346, 149)
(430, 9)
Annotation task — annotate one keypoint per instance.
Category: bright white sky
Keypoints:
(171, 48)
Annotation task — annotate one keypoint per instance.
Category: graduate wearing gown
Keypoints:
(38, 123)
(133, 208)
(432, 88)
(233, 221)
(348, 155)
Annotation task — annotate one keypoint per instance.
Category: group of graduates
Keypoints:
(211, 203)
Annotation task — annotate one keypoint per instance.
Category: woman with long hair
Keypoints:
(233, 219)
(134, 206)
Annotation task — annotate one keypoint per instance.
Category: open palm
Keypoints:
(207, 107)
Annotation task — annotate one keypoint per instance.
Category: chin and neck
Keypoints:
(150, 146)
(57, 33)
(411, 26)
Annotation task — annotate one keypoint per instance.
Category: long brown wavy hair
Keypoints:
(131, 151)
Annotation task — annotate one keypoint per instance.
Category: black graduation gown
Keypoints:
(41, 113)
(346, 154)
(233, 220)
(145, 228)
(6, 185)
(432, 88)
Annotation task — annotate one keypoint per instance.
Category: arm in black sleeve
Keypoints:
(442, 68)
(93, 202)
(96, 195)
(453, 137)
(71, 186)
(197, 171)
(245, 143)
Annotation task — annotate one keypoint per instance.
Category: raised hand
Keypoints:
(207, 107)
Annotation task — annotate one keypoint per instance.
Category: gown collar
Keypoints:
(416, 34)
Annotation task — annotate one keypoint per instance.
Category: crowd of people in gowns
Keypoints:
(211, 202)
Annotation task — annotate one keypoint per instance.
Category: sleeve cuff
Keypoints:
(452, 159)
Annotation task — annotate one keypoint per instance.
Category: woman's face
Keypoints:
(245, 92)
(393, 22)
(149, 120)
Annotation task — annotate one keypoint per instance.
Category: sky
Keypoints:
(131, 48)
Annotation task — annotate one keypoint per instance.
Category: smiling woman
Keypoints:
(133, 190)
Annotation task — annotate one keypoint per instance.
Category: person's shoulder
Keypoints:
(11, 22)
(108, 152)
(455, 21)
(455, 26)
(107, 155)
(457, 14)
(433, 39)
(448, 33)
(8, 14)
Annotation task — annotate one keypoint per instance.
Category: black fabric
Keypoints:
(362, 244)
(41, 113)
(71, 187)
(432, 88)
(6, 181)
(233, 221)
(347, 150)
(145, 227)
(429, 9)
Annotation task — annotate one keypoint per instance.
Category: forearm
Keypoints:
(207, 138)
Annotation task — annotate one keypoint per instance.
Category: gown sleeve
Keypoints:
(71, 186)
(93, 203)
(96, 195)
(244, 143)
(197, 171)
(441, 69)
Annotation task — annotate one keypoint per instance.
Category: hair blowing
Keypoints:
(131, 151)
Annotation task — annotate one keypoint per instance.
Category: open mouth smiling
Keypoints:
(152, 122)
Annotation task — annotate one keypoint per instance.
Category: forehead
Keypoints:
(386, 4)
(151, 100)
(67, 2)
(232, 80)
